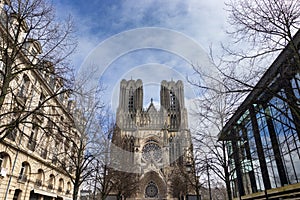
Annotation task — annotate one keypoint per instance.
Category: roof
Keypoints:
(151, 107)
(266, 79)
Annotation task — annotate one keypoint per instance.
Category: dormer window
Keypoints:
(24, 86)
(41, 103)
(32, 138)
(33, 52)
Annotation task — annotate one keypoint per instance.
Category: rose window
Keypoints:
(152, 152)
(151, 190)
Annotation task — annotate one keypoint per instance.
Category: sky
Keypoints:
(150, 40)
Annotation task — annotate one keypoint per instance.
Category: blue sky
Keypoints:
(166, 30)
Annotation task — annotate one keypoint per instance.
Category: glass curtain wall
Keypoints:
(276, 131)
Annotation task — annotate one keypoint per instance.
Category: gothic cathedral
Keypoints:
(151, 147)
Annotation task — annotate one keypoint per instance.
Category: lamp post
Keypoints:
(188, 168)
(208, 178)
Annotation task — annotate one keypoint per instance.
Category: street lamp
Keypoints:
(208, 177)
(188, 167)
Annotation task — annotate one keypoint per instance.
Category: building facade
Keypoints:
(35, 119)
(263, 135)
(153, 145)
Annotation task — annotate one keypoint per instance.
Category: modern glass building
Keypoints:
(262, 136)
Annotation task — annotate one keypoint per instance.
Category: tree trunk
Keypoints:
(75, 191)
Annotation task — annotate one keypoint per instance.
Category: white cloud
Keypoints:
(201, 21)
(204, 21)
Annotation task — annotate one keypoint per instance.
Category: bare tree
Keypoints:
(260, 28)
(101, 180)
(33, 44)
(185, 179)
(211, 158)
(179, 185)
(266, 25)
(213, 108)
(263, 28)
(78, 152)
(125, 183)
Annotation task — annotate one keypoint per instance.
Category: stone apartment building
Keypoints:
(32, 153)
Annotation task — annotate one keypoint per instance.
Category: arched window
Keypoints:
(24, 86)
(4, 164)
(51, 182)
(24, 172)
(124, 142)
(39, 178)
(41, 105)
(131, 148)
(173, 120)
(67, 146)
(179, 151)
(52, 81)
(171, 150)
(69, 188)
(55, 152)
(32, 138)
(151, 190)
(172, 100)
(60, 185)
(46, 140)
(2, 71)
(131, 100)
(131, 144)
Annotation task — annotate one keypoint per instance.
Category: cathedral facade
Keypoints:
(153, 144)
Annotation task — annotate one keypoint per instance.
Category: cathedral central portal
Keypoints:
(152, 147)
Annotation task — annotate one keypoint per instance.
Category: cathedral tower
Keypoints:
(152, 145)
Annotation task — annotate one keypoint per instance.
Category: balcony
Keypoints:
(22, 178)
(68, 192)
(50, 186)
(38, 183)
(59, 189)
